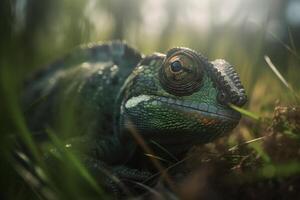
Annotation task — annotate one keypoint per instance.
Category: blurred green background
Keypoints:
(34, 33)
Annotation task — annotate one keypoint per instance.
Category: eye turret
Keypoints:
(182, 72)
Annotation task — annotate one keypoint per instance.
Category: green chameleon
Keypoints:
(117, 96)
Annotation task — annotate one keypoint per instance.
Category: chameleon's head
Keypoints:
(181, 98)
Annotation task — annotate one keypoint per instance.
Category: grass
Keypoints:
(260, 151)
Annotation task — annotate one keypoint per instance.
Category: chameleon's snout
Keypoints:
(230, 87)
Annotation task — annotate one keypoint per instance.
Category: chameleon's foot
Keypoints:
(119, 180)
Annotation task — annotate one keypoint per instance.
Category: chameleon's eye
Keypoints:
(176, 66)
(181, 73)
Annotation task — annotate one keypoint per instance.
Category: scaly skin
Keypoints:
(177, 100)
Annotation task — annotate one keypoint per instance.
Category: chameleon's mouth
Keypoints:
(203, 109)
(156, 117)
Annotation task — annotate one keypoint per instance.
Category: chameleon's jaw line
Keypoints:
(199, 108)
(186, 106)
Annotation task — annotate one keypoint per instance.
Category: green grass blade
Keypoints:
(76, 162)
(246, 112)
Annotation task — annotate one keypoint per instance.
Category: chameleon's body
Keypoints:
(177, 100)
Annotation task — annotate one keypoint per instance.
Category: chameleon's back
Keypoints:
(78, 92)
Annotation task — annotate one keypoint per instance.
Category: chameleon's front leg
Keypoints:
(115, 178)
(105, 160)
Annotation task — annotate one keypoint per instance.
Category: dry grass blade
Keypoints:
(169, 168)
(278, 74)
(245, 143)
(35, 180)
(148, 150)
(156, 157)
(281, 78)
(149, 189)
(165, 150)
(292, 39)
(288, 48)
(34, 184)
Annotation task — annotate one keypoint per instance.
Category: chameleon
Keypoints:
(175, 100)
